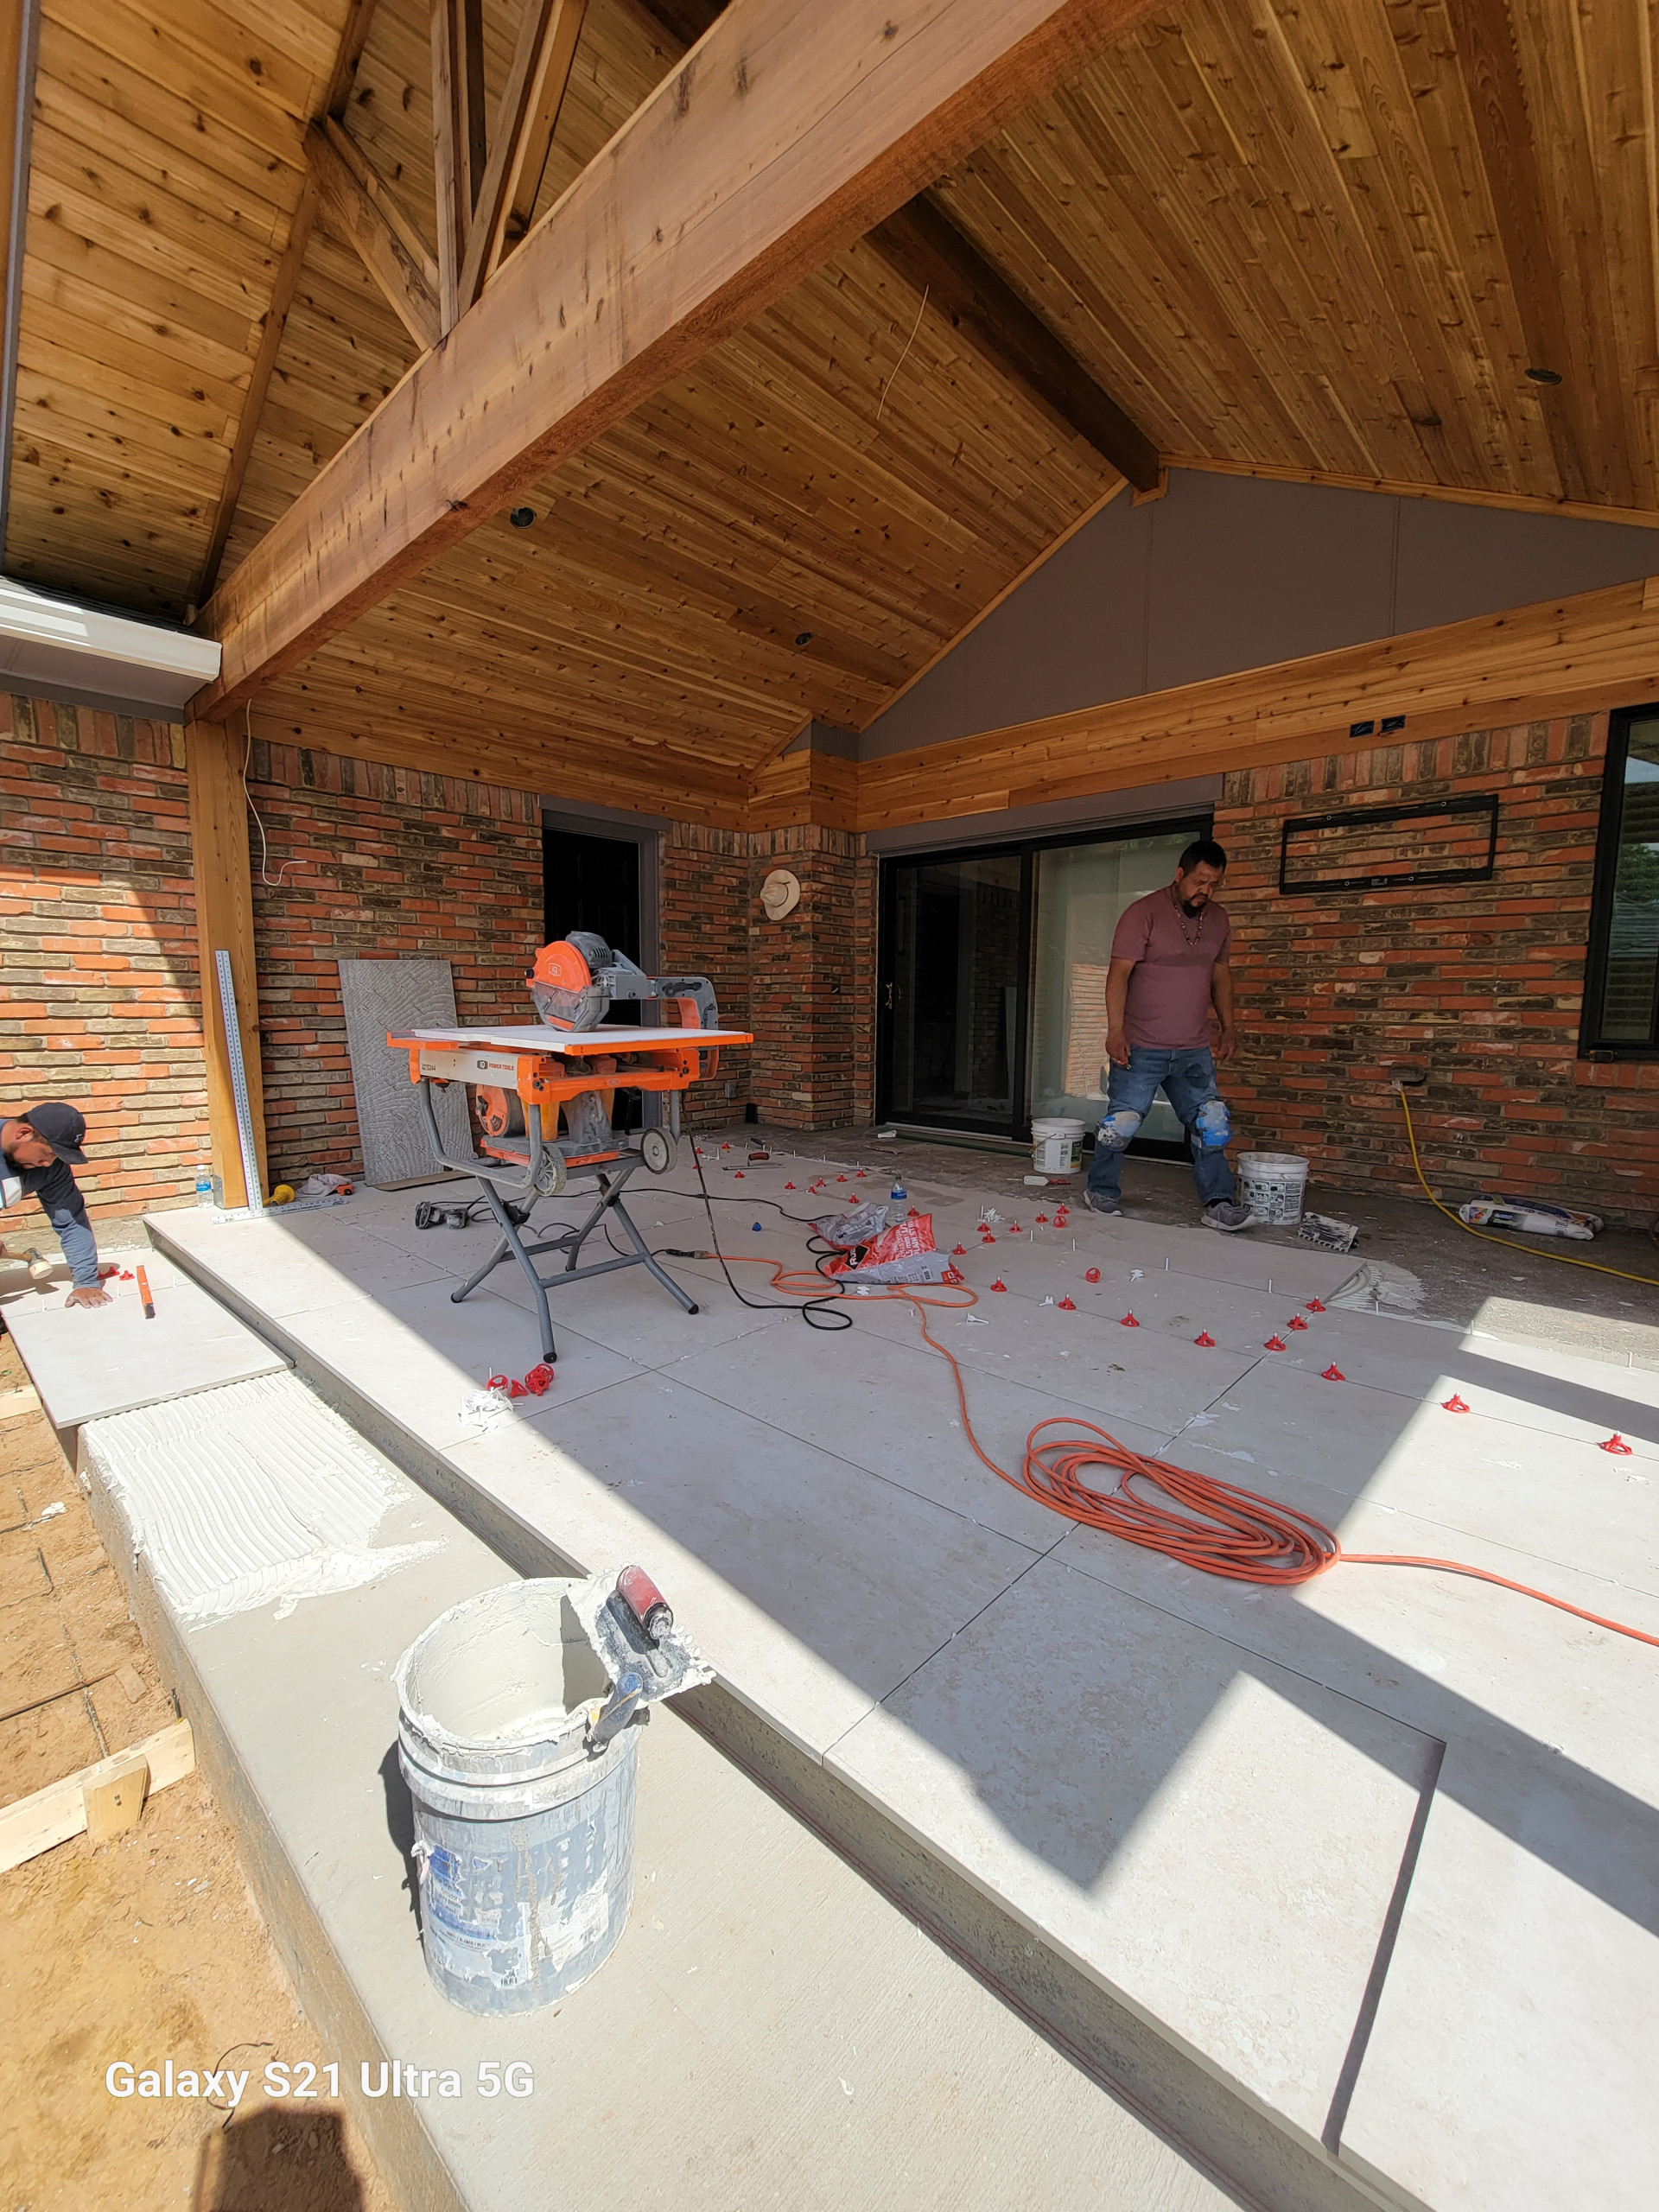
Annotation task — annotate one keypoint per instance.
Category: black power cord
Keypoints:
(817, 1313)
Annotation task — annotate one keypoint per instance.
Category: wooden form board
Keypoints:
(52, 1815)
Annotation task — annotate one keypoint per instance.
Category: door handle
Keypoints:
(889, 998)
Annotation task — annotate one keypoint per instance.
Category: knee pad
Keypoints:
(1214, 1125)
(1117, 1130)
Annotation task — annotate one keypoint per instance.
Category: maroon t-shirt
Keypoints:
(1173, 953)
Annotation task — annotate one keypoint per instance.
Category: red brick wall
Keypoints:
(1478, 983)
(99, 1001)
(367, 861)
(805, 986)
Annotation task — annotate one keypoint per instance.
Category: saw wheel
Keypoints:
(657, 1149)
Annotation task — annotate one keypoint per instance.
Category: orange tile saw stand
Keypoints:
(570, 1068)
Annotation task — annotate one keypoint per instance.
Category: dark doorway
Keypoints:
(592, 883)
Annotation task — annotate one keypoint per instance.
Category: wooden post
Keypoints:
(224, 886)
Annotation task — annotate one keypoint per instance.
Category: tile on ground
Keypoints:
(1099, 1765)
(285, 1274)
(1301, 1270)
(631, 1312)
(1516, 2041)
(891, 1406)
(88, 1361)
(1134, 1375)
(420, 1357)
(796, 1571)
(1542, 1495)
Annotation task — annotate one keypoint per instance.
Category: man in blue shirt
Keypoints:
(40, 1149)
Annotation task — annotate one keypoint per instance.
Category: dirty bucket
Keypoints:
(1273, 1186)
(524, 1842)
(1056, 1146)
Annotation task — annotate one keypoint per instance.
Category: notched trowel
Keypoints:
(631, 1625)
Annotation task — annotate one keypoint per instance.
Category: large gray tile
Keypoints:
(813, 1585)
(1099, 1766)
(1517, 2043)
(90, 1361)
(420, 1357)
(631, 1314)
(892, 1407)
(1135, 1375)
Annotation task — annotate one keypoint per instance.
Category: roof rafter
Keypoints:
(787, 135)
(521, 137)
(386, 242)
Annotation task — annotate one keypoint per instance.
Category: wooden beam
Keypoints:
(788, 133)
(213, 756)
(1574, 656)
(926, 250)
(387, 243)
(522, 137)
(359, 17)
(253, 406)
(353, 37)
(458, 138)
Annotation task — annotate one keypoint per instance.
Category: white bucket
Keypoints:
(1056, 1146)
(1273, 1186)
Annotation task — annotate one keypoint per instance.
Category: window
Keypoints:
(1621, 1007)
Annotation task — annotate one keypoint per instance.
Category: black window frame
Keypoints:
(1592, 1044)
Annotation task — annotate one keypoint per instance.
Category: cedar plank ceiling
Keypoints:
(1324, 238)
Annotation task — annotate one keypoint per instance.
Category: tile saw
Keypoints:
(567, 1068)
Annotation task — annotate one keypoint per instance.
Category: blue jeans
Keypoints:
(1188, 1080)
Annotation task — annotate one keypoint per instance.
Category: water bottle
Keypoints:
(899, 1194)
(204, 1187)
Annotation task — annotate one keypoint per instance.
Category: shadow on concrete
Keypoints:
(400, 1826)
(278, 2160)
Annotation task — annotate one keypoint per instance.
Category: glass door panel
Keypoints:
(955, 1040)
(1081, 891)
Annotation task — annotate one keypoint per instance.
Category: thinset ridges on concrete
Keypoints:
(252, 1495)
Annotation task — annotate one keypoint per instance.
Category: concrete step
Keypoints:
(772, 2029)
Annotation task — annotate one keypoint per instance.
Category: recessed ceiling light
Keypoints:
(522, 518)
(804, 637)
(1543, 376)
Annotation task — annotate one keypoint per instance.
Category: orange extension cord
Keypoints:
(1221, 1529)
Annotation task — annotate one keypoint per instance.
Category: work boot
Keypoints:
(1227, 1214)
(1097, 1202)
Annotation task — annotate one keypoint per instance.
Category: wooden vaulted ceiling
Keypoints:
(1324, 240)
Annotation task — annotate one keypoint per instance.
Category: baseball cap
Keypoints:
(62, 1127)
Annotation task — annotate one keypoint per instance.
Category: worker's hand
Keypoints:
(88, 1294)
(1227, 1042)
(1117, 1047)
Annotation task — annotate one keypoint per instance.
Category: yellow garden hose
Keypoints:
(1596, 1266)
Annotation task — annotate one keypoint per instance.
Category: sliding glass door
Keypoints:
(992, 1000)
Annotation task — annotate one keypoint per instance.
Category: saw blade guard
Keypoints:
(577, 978)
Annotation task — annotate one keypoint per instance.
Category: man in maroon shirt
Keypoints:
(1169, 967)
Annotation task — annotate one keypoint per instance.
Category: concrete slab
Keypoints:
(87, 1362)
(771, 2029)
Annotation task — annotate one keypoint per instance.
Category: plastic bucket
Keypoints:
(1056, 1146)
(1273, 1185)
(524, 1844)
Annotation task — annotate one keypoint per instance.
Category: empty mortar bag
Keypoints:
(904, 1254)
(846, 1230)
(518, 1734)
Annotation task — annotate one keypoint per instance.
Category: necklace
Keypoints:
(1192, 936)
